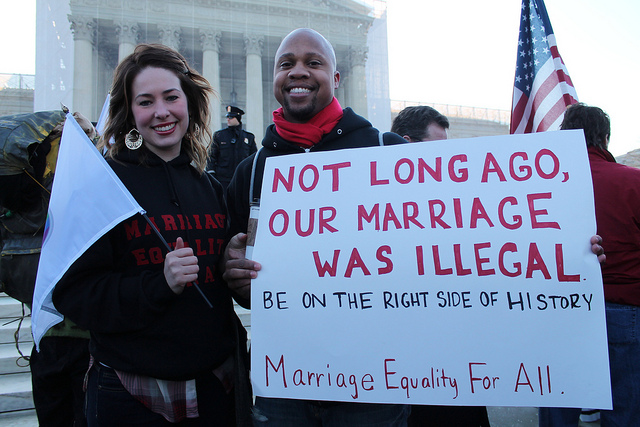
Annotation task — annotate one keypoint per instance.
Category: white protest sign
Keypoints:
(452, 272)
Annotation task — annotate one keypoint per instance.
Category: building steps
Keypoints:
(16, 400)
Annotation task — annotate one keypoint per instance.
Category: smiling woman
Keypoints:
(157, 97)
(160, 110)
(144, 308)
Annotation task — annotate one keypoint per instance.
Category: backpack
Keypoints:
(28, 152)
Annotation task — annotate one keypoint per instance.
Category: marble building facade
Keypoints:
(232, 43)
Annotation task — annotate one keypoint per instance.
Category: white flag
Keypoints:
(104, 114)
(87, 200)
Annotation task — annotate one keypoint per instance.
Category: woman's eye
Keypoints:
(144, 103)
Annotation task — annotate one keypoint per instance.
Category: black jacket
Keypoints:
(230, 146)
(352, 131)
(117, 288)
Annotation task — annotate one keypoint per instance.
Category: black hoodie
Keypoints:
(352, 131)
(117, 288)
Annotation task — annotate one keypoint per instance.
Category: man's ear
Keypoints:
(408, 138)
(336, 79)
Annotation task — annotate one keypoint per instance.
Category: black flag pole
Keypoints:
(155, 229)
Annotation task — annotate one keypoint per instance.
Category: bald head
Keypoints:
(304, 74)
(302, 33)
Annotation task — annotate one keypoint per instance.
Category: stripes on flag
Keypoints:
(542, 88)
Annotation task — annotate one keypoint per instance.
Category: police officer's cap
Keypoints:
(234, 111)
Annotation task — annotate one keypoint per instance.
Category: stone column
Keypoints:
(253, 45)
(127, 34)
(357, 84)
(211, 47)
(83, 29)
(170, 35)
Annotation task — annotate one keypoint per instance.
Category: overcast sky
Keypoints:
(463, 52)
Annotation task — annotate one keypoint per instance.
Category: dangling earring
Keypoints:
(193, 135)
(133, 140)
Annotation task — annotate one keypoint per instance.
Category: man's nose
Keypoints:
(298, 70)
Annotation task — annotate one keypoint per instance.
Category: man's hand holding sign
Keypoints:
(437, 273)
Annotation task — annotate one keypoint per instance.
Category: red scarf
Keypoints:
(308, 134)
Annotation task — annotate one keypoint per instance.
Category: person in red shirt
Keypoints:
(616, 191)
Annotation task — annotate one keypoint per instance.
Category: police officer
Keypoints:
(230, 146)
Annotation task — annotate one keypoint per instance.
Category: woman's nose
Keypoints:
(161, 111)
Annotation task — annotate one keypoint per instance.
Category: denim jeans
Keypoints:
(309, 413)
(623, 332)
(110, 404)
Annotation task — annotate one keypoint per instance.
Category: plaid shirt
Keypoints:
(174, 400)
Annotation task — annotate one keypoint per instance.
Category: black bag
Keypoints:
(27, 162)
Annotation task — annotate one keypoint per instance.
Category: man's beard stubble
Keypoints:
(302, 114)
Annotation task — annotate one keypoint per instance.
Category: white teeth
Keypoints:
(299, 90)
(165, 128)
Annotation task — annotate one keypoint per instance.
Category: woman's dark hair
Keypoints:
(195, 87)
(594, 122)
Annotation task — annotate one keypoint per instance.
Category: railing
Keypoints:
(17, 81)
(478, 113)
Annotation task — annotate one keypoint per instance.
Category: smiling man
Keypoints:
(311, 119)
(304, 75)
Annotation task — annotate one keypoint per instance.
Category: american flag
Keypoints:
(542, 89)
